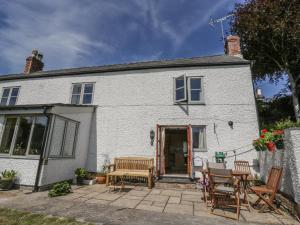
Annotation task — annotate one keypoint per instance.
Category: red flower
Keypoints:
(278, 132)
(264, 131)
(262, 136)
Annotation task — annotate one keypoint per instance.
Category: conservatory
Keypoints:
(44, 143)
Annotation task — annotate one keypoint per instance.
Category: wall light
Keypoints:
(152, 136)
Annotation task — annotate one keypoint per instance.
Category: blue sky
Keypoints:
(74, 33)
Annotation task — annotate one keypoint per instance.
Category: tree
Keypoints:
(270, 36)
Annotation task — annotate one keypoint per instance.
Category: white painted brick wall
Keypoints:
(131, 103)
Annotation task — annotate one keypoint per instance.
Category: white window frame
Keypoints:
(9, 94)
(13, 141)
(61, 154)
(204, 136)
(201, 101)
(175, 89)
(82, 92)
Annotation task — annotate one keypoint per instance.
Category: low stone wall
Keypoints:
(289, 159)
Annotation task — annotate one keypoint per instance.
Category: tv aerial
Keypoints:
(220, 20)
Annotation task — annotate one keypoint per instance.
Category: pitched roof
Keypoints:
(216, 60)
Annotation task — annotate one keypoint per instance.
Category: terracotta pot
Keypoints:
(101, 179)
(271, 146)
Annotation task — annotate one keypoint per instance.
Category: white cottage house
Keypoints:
(179, 112)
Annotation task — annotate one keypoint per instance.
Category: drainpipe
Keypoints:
(255, 100)
(41, 160)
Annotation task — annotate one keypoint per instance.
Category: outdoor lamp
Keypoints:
(152, 135)
(230, 123)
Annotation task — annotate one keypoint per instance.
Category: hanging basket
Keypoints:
(271, 146)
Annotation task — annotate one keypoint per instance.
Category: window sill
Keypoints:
(60, 157)
(189, 103)
(20, 157)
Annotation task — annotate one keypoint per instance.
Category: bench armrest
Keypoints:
(111, 167)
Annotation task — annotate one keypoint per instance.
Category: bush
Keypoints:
(284, 124)
(9, 174)
(59, 189)
(81, 172)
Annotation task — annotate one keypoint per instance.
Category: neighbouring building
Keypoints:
(179, 112)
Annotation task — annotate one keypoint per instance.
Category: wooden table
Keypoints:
(243, 177)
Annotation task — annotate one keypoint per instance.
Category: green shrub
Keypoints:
(284, 124)
(59, 189)
(81, 172)
(9, 174)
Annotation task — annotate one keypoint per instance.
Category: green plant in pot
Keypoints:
(278, 138)
(7, 180)
(80, 174)
(101, 176)
(259, 145)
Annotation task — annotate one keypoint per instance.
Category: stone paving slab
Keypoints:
(126, 203)
(191, 198)
(174, 200)
(179, 208)
(172, 193)
(98, 201)
(150, 208)
(138, 193)
(108, 196)
(157, 198)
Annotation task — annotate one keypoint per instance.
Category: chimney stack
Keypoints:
(34, 62)
(233, 46)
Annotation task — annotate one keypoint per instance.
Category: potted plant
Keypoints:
(101, 176)
(80, 174)
(7, 180)
(259, 144)
(89, 179)
(278, 136)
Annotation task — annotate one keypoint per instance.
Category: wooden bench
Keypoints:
(132, 167)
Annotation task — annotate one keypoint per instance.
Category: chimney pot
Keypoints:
(233, 46)
(34, 62)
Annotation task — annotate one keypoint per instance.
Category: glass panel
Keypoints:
(195, 138)
(75, 99)
(195, 95)
(88, 88)
(23, 136)
(87, 99)
(179, 82)
(8, 133)
(195, 83)
(4, 101)
(5, 92)
(38, 135)
(180, 94)
(70, 139)
(76, 89)
(12, 101)
(57, 137)
(15, 92)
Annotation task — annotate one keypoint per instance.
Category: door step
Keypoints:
(183, 186)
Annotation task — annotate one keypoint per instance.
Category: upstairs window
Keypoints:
(10, 95)
(188, 89)
(82, 93)
(180, 89)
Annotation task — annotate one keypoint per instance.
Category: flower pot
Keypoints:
(271, 146)
(101, 179)
(89, 182)
(79, 180)
(6, 184)
(279, 144)
(260, 148)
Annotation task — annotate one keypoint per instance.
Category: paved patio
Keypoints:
(155, 205)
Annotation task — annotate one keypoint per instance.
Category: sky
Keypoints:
(76, 33)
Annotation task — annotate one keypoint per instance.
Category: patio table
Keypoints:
(244, 180)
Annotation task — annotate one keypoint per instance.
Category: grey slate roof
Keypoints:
(40, 106)
(216, 60)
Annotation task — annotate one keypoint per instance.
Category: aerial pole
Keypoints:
(220, 20)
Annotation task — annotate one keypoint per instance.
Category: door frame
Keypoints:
(189, 144)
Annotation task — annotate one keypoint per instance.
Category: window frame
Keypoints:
(205, 140)
(61, 154)
(184, 88)
(82, 92)
(9, 94)
(13, 141)
(189, 90)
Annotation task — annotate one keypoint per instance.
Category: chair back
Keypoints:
(215, 165)
(220, 176)
(242, 166)
(274, 179)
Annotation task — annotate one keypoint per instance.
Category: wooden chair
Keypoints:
(267, 193)
(224, 191)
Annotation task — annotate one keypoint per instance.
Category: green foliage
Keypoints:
(81, 172)
(9, 174)
(59, 189)
(284, 124)
(90, 176)
(272, 111)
